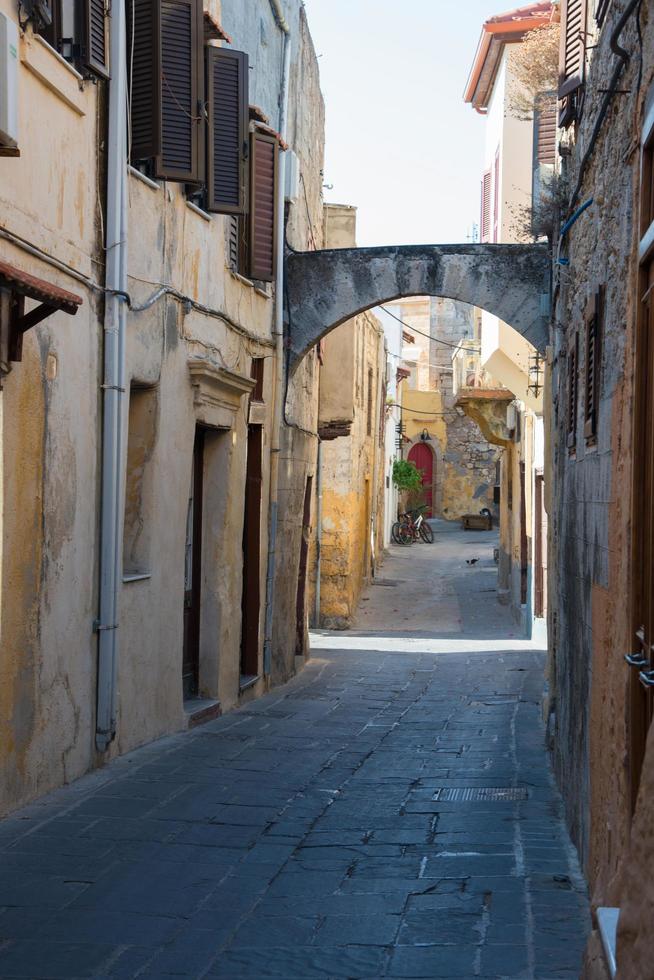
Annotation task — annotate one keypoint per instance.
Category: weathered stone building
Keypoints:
(352, 431)
(152, 447)
(601, 500)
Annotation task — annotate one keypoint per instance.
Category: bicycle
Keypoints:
(411, 527)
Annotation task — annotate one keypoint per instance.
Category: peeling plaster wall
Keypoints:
(48, 440)
(51, 416)
(591, 517)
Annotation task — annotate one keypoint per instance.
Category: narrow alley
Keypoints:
(389, 812)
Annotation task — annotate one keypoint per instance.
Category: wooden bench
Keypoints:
(477, 522)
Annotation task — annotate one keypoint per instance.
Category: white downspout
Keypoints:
(113, 385)
(278, 333)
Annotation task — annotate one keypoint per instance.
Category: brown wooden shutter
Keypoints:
(496, 195)
(96, 37)
(182, 91)
(264, 150)
(165, 53)
(573, 361)
(573, 46)
(485, 221)
(546, 135)
(143, 54)
(228, 117)
(593, 363)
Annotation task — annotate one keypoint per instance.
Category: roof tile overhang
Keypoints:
(17, 284)
(507, 28)
(25, 284)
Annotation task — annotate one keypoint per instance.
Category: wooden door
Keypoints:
(423, 458)
(641, 658)
(193, 572)
(251, 592)
(300, 598)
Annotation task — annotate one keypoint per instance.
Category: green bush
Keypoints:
(407, 476)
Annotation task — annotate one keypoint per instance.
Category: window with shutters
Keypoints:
(592, 373)
(572, 58)
(262, 243)
(485, 218)
(165, 46)
(79, 32)
(573, 384)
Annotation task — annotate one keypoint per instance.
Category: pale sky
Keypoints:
(401, 145)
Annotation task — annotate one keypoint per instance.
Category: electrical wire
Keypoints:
(435, 340)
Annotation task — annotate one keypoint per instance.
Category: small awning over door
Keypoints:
(15, 285)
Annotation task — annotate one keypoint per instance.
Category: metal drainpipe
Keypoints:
(113, 386)
(278, 334)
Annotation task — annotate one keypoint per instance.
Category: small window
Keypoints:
(257, 373)
(139, 481)
(78, 30)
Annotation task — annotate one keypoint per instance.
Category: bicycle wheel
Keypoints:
(405, 534)
(426, 533)
(395, 532)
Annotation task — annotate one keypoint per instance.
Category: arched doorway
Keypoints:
(423, 459)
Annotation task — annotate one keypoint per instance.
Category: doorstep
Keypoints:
(200, 710)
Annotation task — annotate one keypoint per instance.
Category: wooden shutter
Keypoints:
(143, 74)
(228, 117)
(264, 150)
(573, 360)
(546, 135)
(496, 195)
(165, 54)
(485, 221)
(573, 46)
(96, 37)
(182, 91)
(593, 363)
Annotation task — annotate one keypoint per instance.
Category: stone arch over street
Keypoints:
(327, 287)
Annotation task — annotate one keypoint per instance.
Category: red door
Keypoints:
(423, 458)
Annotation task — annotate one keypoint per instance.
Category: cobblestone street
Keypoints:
(341, 826)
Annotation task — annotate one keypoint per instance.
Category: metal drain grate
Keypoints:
(476, 794)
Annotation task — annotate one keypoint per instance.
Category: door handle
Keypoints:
(636, 659)
(646, 678)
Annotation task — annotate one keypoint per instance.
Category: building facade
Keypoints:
(508, 401)
(601, 595)
(158, 466)
(352, 449)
